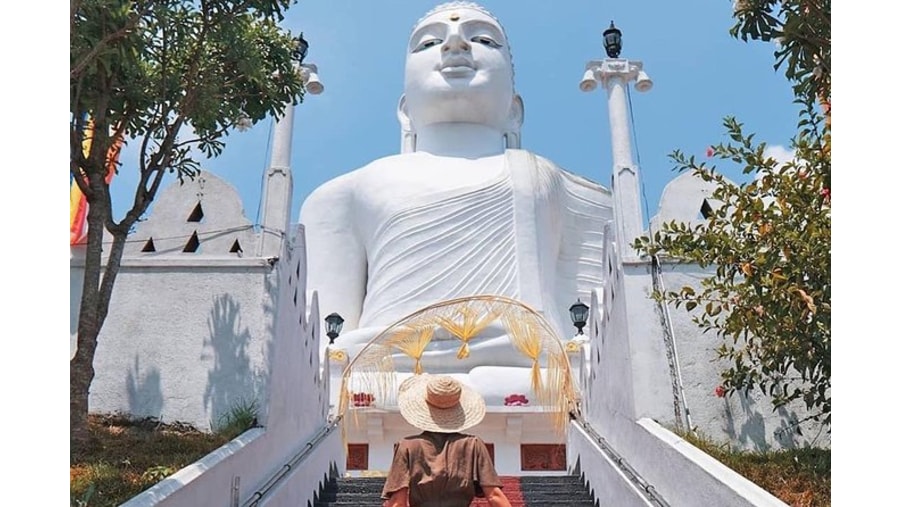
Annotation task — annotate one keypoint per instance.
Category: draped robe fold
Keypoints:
(529, 230)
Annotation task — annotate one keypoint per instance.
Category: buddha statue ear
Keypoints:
(513, 132)
(407, 134)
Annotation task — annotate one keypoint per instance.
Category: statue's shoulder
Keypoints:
(334, 189)
(571, 179)
(345, 183)
(347, 186)
(530, 157)
(380, 166)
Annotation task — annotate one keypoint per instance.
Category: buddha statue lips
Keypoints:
(457, 67)
(461, 211)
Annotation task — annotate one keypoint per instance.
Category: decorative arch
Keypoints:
(372, 370)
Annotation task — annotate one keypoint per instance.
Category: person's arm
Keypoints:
(486, 476)
(495, 496)
(396, 486)
(400, 498)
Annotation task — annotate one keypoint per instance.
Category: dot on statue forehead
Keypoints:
(464, 19)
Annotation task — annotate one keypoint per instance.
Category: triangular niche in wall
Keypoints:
(706, 210)
(236, 247)
(149, 246)
(193, 244)
(197, 214)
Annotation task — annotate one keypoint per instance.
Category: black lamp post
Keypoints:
(333, 323)
(612, 41)
(300, 49)
(579, 312)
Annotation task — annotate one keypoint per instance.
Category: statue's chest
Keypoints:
(413, 185)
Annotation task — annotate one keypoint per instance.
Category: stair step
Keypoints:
(552, 491)
(380, 503)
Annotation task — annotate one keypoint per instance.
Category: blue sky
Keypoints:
(700, 75)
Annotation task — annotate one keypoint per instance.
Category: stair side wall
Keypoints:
(297, 410)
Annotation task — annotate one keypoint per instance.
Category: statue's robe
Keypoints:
(529, 231)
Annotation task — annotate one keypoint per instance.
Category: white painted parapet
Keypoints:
(608, 483)
(626, 457)
(669, 463)
(286, 461)
(653, 466)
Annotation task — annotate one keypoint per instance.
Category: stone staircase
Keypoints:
(558, 490)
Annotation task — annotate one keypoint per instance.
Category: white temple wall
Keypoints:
(748, 422)
(206, 209)
(296, 419)
(683, 200)
(190, 331)
(185, 340)
(673, 384)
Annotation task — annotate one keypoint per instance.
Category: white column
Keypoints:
(618, 121)
(616, 74)
(278, 183)
(626, 176)
(278, 188)
(281, 139)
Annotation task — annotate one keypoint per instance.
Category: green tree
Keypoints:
(769, 239)
(170, 76)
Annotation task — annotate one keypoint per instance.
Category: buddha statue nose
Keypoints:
(455, 42)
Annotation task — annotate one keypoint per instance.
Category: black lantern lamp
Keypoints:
(612, 41)
(333, 323)
(300, 48)
(579, 312)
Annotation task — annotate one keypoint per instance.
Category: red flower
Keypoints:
(363, 399)
(826, 194)
(515, 400)
(710, 151)
(720, 391)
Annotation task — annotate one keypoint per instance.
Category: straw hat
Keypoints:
(439, 403)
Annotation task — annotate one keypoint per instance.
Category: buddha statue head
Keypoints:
(459, 71)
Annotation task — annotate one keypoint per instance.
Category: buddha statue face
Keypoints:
(459, 69)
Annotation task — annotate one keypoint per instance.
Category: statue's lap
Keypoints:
(494, 367)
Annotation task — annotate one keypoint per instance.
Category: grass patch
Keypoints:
(799, 477)
(127, 456)
(240, 418)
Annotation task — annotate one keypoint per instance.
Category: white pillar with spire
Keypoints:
(278, 183)
(278, 187)
(615, 74)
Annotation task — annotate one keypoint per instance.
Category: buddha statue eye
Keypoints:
(485, 40)
(427, 44)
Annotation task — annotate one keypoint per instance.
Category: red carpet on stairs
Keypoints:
(512, 490)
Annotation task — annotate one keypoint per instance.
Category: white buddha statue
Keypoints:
(460, 211)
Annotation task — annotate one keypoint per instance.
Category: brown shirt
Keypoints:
(441, 469)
